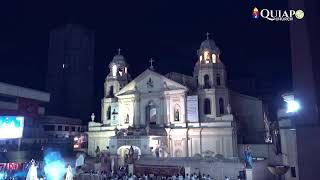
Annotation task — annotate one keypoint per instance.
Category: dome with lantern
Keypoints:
(210, 46)
(209, 53)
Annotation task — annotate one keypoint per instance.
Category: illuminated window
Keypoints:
(214, 58)
(126, 70)
(114, 70)
(206, 55)
(201, 58)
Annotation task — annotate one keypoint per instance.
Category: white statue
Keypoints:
(268, 138)
(69, 174)
(32, 173)
(93, 117)
(112, 165)
(229, 109)
(147, 129)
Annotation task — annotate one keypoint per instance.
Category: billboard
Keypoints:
(192, 109)
(11, 127)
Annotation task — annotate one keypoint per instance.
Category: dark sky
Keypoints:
(170, 31)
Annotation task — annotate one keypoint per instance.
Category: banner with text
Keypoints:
(192, 109)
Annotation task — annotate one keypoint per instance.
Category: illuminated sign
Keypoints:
(11, 127)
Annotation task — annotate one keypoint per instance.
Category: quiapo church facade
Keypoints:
(172, 115)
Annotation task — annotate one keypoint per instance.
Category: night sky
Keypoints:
(170, 31)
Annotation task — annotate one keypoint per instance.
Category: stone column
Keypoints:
(137, 111)
(167, 114)
(162, 112)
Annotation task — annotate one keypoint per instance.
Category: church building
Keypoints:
(172, 115)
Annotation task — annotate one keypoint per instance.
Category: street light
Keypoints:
(292, 105)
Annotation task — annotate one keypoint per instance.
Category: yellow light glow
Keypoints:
(206, 55)
(214, 58)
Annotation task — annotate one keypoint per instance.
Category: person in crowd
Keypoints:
(187, 177)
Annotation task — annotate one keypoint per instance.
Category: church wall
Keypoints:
(204, 141)
(126, 110)
(177, 101)
(194, 145)
(248, 112)
(144, 102)
(207, 94)
(224, 94)
(100, 139)
(105, 104)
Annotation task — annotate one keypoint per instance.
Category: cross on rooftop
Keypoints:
(151, 63)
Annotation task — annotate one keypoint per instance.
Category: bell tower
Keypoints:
(118, 75)
(117, 78)
(211, 78)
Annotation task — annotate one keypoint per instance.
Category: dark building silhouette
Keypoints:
(71, 71)
(304, 35)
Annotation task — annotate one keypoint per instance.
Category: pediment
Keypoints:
(150, 81)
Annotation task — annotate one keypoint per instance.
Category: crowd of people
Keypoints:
(120, 175)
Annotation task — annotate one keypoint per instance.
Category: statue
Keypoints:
(69, 174)
(93, 117)
(127, 119)
(229, 109)
(131, 155)
(112, 165)
(268, 138)
(248, 157)
(32, 173)
(147, 129)
(176, 115)
(98, 155)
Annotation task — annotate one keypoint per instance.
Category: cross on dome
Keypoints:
(119, 51)
(207, 34)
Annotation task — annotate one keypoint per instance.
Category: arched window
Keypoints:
(177, 113)
(218, 80)
(109, 113)
(221, 105)
(151, 114)
(126, 121)
(206, 81)
(207, 106)
(111, 91)
(214, 58)
(206, 55)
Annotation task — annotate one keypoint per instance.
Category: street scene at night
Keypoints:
(159, 90)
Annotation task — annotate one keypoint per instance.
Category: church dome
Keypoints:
(119, 59)
(209, 44)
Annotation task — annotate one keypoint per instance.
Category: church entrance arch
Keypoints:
(123, 153)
